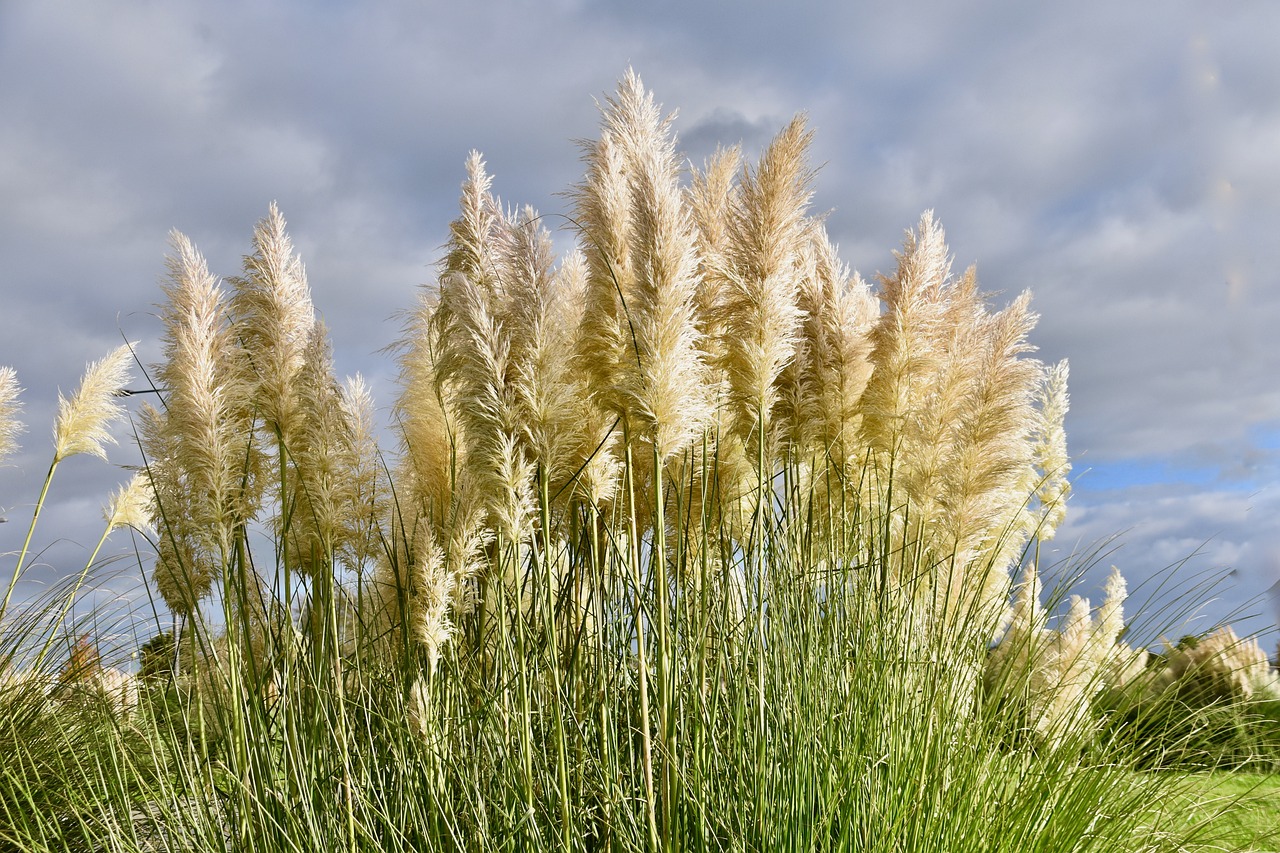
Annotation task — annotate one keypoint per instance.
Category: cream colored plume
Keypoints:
(483, 328)
(1070, 676)
(85, 417)
(323, 451)
(1220, 666)
(184, 567)
(1049, 679)
(595, 437)
(475, 364)
(10, 405)
(1050, 450)
(757, 312)
(712, 197)
(359, 541)
(431, 446)
(949, 409)
(603, 213)
(132, 505)
(921, 356)
(1015, 657)
(902, 409)
(558, 414)
(823, 386)
(415, 592)
(472, 234)
(539, 313)
(661, 380)
(274, 317)
(204, 462)
(982, 493)
(431, 589)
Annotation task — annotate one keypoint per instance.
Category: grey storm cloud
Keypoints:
(1120, 160)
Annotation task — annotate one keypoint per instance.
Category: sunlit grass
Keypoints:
(1244, 808)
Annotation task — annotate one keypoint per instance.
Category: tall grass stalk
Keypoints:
(82, 427)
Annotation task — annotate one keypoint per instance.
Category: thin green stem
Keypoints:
(642, 663)
(666, 730)
(26, 544)
(69, 604)
(553, 650)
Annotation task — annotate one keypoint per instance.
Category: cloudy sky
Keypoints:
(1122, 160)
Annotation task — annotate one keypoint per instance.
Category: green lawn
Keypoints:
(1250, 807)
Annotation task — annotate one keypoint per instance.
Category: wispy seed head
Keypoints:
(132, 505)
(10, 426)
(83, 419)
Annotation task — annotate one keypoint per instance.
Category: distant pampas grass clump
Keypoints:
(1047, 680)
(1217, 667)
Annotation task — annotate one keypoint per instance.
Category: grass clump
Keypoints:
(693, 540)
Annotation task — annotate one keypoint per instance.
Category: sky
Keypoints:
(1121, 160)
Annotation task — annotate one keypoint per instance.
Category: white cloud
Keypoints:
(1181, 536)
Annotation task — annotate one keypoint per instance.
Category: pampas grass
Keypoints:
(428, 433)
(131, 505)
(85, 417)
(758, 315)
(1048, 680)
(271, 307)
(83, 424)
(688, 539)
(1050, 450)
(201, 460)
(661, 379)
(10, 405)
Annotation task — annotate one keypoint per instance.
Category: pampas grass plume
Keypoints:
(1016, 654)
(1221, 665)
(10, 426)
(360, 538)
(712, 196)
(603, 214)
(272, 307)
(550, 392)
(84, 418)
(132, 505)
(1069, 676)
(665, 388)
(202, 436)
(1050, 449)
(832, 363)
(905, 351)
(323, 487)
(471, 234)
(430, 596)
(430, 448)
(767, 236)
(474, 362)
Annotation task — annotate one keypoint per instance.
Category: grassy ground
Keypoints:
(1248, 805)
